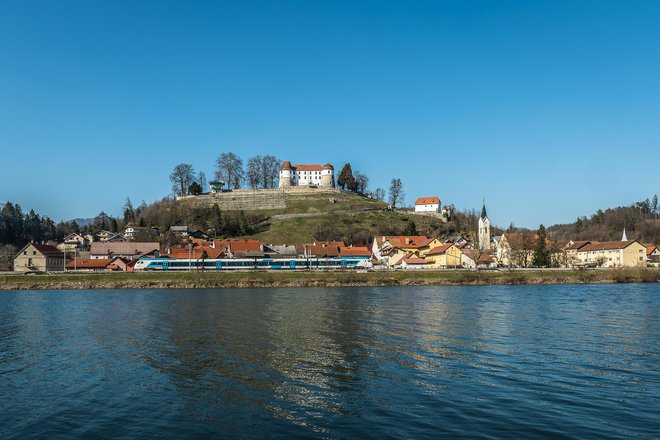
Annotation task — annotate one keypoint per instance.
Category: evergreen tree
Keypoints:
(195, 189)
(345, 180)
(129, 212)
(411, 228)
(242, 224)
(216, 219)
(541, 251)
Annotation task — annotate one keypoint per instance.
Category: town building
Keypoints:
(653, 255)
(132, 231)
(39, 257)
(444, 256)
(130, 250)
(181, 231)
(245, 249)
(306, 175)
(427, 204)
(98, 264)
(106, 236)
(628, 253)
(390, 250)
(571, 250)
(410, 261)
(516, 248)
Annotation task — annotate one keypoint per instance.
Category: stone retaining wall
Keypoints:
(252, 199)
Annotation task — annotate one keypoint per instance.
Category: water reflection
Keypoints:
(362, 362)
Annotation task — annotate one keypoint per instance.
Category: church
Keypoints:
(484, 229)
(307, 175)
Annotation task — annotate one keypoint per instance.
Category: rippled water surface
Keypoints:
(413, 362)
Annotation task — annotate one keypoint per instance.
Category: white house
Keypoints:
(131, 231)
(427, 204)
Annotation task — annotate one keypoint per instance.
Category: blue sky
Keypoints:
(549, 110)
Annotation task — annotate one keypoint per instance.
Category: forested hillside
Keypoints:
(641, 220)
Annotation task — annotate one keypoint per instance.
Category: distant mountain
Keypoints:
(82, 222)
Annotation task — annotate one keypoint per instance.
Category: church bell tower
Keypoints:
(484, 229)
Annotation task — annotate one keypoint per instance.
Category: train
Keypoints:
(253, 263)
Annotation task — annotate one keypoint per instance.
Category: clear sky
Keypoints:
(549, 110)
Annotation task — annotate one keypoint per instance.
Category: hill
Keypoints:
(641, 221)
(307, 217)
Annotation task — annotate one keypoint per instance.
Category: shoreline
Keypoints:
(206, 280)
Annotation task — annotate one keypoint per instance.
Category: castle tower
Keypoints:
(328, 176)
(286, 175)
(484, 229)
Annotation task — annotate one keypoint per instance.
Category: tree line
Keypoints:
(230, 173)
(263, 172)
(18, 228)
(640, 219)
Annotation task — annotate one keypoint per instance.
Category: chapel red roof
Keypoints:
(428, 201)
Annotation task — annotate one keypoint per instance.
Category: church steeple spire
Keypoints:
(625, 237)
(484, 229)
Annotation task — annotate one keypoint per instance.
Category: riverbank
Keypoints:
(154, 280)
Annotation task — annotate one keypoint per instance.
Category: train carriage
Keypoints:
(253, 263)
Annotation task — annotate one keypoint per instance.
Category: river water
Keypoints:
(570, 361)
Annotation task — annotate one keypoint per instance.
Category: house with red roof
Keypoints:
(410, 261)
(447, 255)
(98, 264)
(390, 250)
(129, 250)
(427, 204)
(628, 253)
(653, 255)
(355, 251)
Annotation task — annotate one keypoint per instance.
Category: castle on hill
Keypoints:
(307, 175)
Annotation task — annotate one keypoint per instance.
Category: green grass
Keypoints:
(353, 228)
(301, 279)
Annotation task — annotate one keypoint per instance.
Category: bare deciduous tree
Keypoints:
(396, 192)
(230, 169)
(182, 177)
(379, 194)
(201, 179)
(270, 169)
(361, 182)
(254, 171)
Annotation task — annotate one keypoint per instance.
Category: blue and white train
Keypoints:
(253, 263)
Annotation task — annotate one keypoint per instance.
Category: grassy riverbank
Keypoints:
(319, 279)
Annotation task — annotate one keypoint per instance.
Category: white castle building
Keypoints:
(307, 175)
